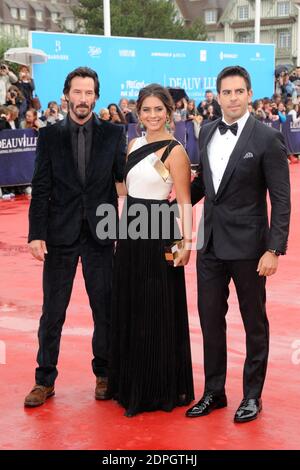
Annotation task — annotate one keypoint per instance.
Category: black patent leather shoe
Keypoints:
(248, 410)
(206, 405)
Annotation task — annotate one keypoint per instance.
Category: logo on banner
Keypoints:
(57, 46)
(94, 51)
(203, 55)
(257, 58)
(127, 53)
(11, 144)
(192, 83)
(131, 88)
(224, 55)
(57, 49)
(174, 55)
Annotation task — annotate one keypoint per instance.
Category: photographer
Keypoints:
(6, 79)
(209, 101)
(14, 97)
(26, 85)
(52, 114)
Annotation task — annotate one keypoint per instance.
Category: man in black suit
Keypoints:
(209, 101)
(241, 159)
(78, 162)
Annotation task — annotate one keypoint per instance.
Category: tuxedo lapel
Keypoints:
(237, 153)
(206, 167)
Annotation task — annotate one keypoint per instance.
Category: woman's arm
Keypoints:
(121, 189)
(179, 167)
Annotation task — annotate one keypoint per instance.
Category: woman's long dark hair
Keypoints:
(154, 89)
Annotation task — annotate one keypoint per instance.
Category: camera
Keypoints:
(3, 67)
(52, 111)
(13, 94)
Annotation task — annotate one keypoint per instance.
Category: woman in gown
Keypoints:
(150, 367)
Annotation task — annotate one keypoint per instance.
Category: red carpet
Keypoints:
(74, 420)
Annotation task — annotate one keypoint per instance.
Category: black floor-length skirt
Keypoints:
(150, 361)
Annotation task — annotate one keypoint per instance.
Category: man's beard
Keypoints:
(84, 110)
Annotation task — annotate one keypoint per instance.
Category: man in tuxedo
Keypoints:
(240, 160)
(78, 162)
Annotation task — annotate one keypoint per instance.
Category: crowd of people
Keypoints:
(20, 108)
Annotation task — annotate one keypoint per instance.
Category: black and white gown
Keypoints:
(150, 363)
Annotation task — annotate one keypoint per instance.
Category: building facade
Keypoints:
(233, 21)
(210, 11)
(17, 17)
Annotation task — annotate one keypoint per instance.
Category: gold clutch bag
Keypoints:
(172, 251)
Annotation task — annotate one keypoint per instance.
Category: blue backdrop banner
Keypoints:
(125, 65)
(17, 155)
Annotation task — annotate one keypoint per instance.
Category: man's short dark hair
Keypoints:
(82, 72)
(231, 71)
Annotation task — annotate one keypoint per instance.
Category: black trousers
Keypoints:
(58, 276)
(214, 276)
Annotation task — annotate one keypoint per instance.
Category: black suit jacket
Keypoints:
(58, 197)
(237, 214)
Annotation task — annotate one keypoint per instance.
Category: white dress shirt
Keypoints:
(220, 148)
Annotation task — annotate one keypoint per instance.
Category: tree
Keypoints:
(138, 18)
(6, 42)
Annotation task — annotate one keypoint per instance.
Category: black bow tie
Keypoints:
(223, 128)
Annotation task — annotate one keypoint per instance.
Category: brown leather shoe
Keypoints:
(101, 392)
(38, 395)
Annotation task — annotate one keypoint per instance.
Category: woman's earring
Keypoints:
(168, 122)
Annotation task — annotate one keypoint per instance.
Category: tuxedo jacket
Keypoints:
(59, 199)
(237, 216)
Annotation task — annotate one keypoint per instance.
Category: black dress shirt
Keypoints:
(88, 132)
